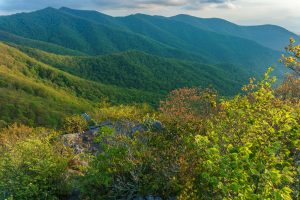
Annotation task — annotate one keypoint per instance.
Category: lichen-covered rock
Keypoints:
(74, 141)
(85, 141)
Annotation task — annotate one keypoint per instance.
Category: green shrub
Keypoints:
(32, 167)
(75, 124)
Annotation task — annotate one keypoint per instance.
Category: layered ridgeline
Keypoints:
(94, 33)
(73, 59)
(40, 88)
(271, 36)
(37, 94)
(145, 72)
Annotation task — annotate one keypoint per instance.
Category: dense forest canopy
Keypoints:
(147, 107)
(198, 145)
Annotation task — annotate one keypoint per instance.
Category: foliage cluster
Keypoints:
(33, 164)
(75, 124)
(290, 88)
(245, 147)
(106, 111)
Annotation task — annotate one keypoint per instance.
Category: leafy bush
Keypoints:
(121, 112)
(245, 148)
(3, 124)
(250, 149)
(75, 124)
(290, 88)
(32, 164)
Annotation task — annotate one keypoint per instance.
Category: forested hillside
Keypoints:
(94, 33)
(133, 59)
(135, 69)
(54, 26)
(147, 107)
(49, 47)
(33, 79)
(198, 145)
(271, 36)
(34, 93)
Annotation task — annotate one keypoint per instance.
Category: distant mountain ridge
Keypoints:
(271, 36)
(145, 72)
(74, 59)
(256, 33)
(94, 33)
(40, 88)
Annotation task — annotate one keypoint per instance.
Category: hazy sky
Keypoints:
(246, 12)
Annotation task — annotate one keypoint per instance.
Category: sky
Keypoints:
(285, 13)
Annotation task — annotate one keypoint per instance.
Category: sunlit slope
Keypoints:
(36, 93)
(141, 71)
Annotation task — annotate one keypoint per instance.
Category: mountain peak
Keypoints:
(182, 15)
(49, 8)
(65, 8)
(83, 12)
